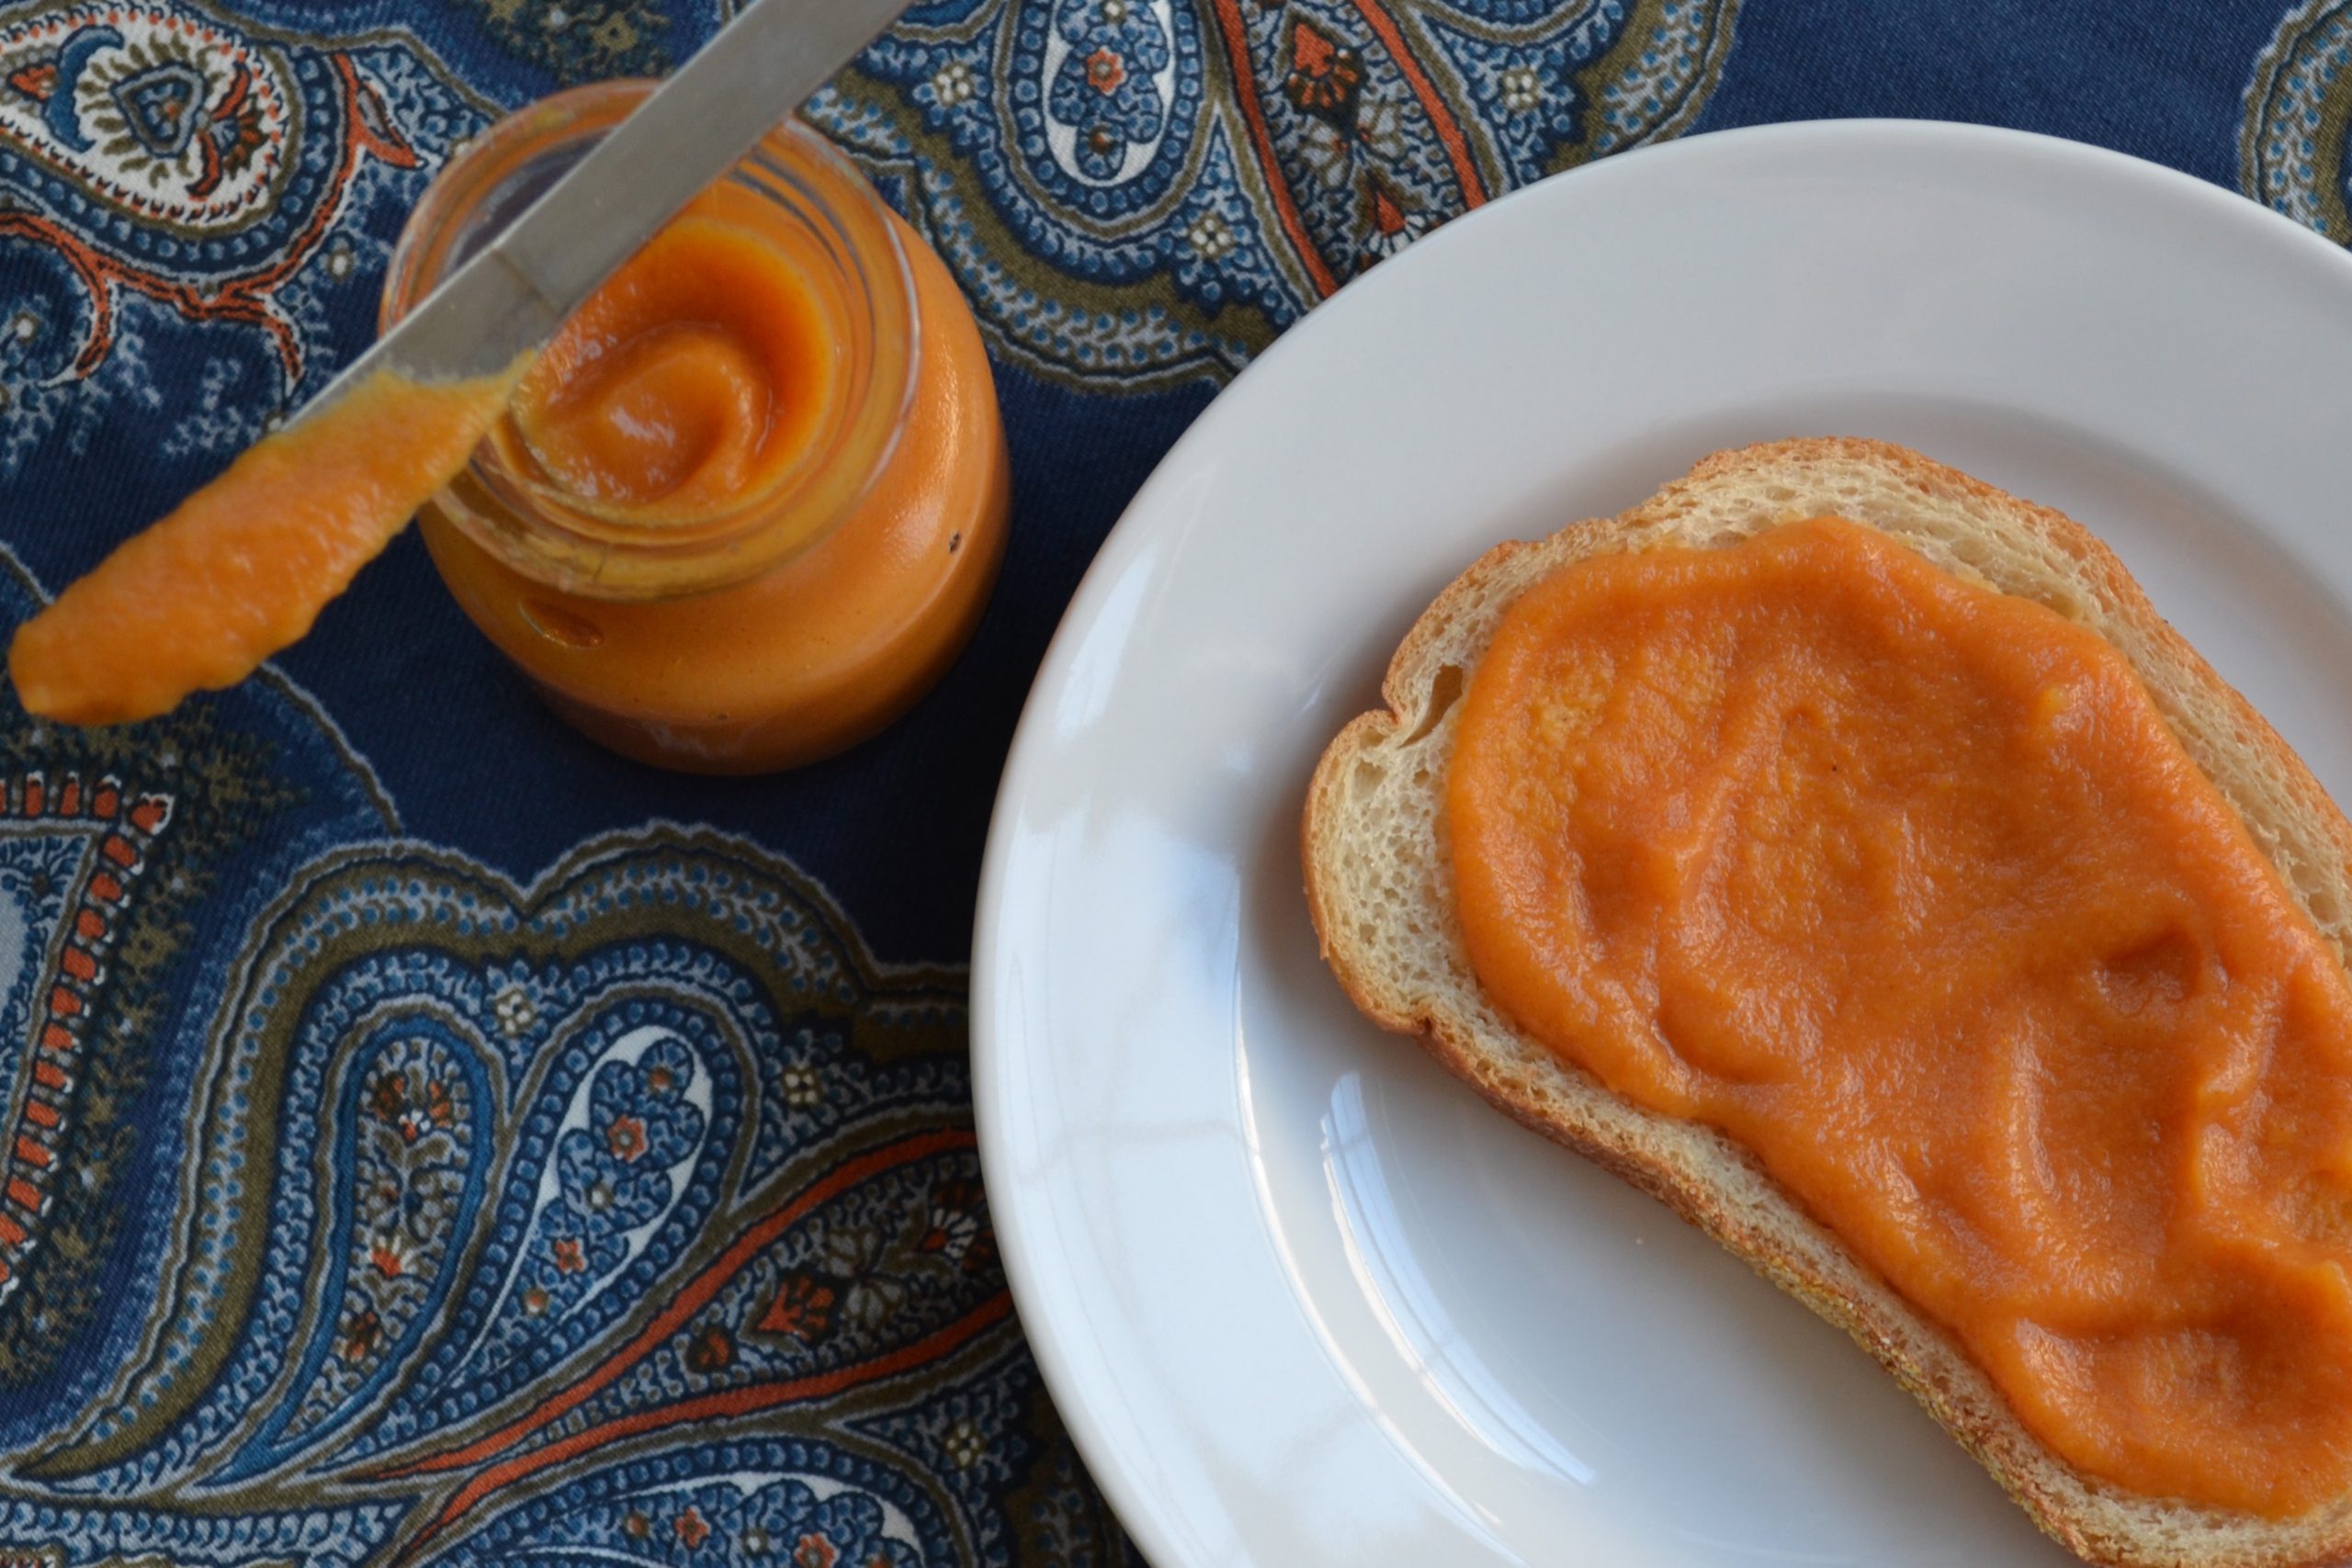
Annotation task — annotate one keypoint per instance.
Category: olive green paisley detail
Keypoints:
(1025, 306)
(2297, 125)
(580, 41)
(1236, 161)
(1643, 97)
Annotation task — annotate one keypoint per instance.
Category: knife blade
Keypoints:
(510, 295)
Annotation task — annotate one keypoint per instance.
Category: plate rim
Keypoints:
(1138, 1507)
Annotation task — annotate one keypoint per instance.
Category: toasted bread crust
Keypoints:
(1379, 890)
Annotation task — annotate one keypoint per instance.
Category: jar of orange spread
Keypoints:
(746, 507)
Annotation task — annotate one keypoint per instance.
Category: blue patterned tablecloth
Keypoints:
(428, 1138)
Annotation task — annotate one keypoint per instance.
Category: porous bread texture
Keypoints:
(1379, 885)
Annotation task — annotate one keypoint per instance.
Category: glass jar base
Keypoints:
(737, 750)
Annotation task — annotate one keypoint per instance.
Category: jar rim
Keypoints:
(573, 543)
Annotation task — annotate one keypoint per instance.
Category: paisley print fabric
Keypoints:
(127, 859)
(362, 1204)
(1138, 191)
(2295, 152)
(426, 1139)
(1133, 191)
(478, 1187)
(162, 165)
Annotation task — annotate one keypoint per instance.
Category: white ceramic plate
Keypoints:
(1301, 1298)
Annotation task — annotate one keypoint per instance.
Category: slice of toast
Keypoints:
(1379, 884)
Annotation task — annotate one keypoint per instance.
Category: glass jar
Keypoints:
(788, 622)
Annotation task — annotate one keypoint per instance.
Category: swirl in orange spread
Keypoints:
(690, 383)
(1906, 887)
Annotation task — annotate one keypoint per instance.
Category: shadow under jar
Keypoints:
(747, 507)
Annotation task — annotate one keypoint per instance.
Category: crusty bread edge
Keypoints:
(2102, 1523)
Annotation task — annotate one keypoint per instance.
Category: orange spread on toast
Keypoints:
(1906, 885)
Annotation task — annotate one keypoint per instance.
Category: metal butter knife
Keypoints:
(510, 295)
